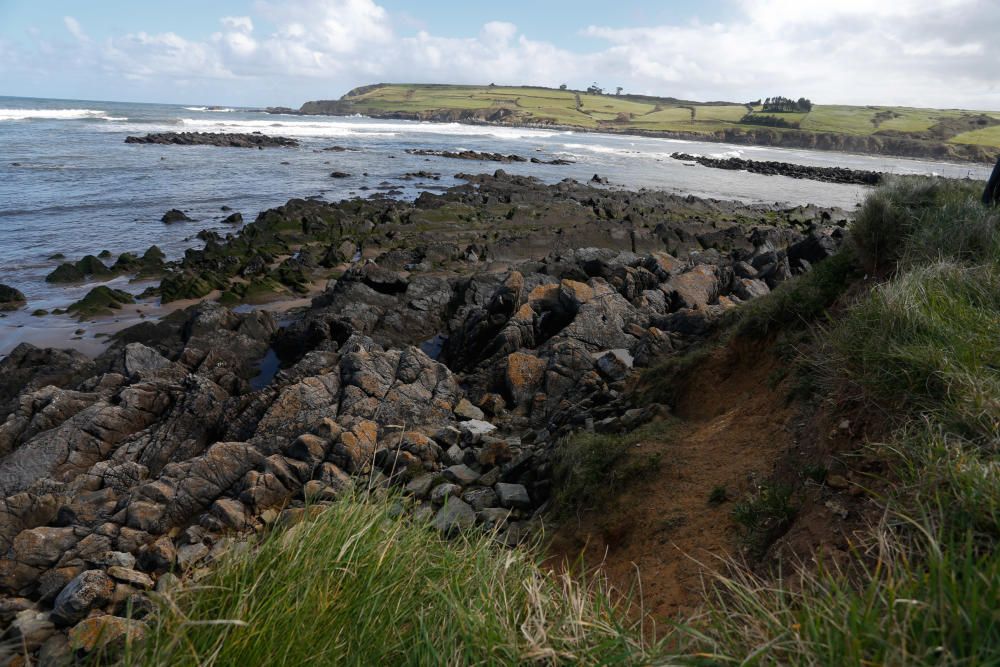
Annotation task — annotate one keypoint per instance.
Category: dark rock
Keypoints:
(234, 140)
(175, 215)
(89, 590)
(454, 517)
(11, 299)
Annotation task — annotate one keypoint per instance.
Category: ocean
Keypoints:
(70, 184)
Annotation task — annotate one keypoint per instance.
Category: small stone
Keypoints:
(189, 554)
(480, 498)
(90, 589)
(490, 477)
(461, 474)
(454, 517)
(55, 652)
(119, 558)
(514, 496)
(466, 410)
(476, 428)
(444, 491)
(167, 583)
(42, 547)
(159, 555)
(837, 482)
(133, 577)
(309, 448)
(492, 518)
(454, 455)
(420, 486)
(30, 629)
(106, 632)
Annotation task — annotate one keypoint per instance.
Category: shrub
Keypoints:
(764, 515)
(591, 468)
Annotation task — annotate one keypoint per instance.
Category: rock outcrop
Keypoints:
(447, 366)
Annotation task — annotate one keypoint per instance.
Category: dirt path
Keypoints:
(732, 431)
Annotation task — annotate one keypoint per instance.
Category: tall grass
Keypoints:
(923, 346)
(361, 586)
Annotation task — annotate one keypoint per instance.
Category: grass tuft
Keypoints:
(361, 586)
(591, 469)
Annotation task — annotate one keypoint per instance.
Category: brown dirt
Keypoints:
(662, 533)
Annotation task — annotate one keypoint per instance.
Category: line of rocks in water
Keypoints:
(223, 139)
(483, 157)
(125, 473)
(772, 168)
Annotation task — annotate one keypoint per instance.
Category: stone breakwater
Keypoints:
(226, 140)
(463, 337)
(772, 168)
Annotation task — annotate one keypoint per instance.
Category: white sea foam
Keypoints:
(315, 127)
(211, 109)
(51, 114)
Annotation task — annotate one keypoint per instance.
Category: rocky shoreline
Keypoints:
(222, 139)
(772, 168)
(459, 339)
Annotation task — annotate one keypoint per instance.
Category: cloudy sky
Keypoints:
(284, 52)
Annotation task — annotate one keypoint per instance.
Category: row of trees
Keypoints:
(781, 104)
(595, 89)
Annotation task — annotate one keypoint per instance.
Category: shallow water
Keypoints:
(69, 184)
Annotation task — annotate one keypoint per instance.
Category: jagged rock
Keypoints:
(139, 358)
(524, 376)
(89, 590)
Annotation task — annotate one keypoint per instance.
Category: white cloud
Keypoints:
(917, 52)
(238, 23)
(74, 28)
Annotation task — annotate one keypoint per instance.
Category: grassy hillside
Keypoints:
(897, 130)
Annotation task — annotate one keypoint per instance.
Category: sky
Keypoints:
(930, 53)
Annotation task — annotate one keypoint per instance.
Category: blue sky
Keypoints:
(283, 52)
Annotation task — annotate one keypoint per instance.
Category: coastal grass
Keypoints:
(362, 585)
(921, 347)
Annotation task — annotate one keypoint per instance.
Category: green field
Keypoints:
(965, 131)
